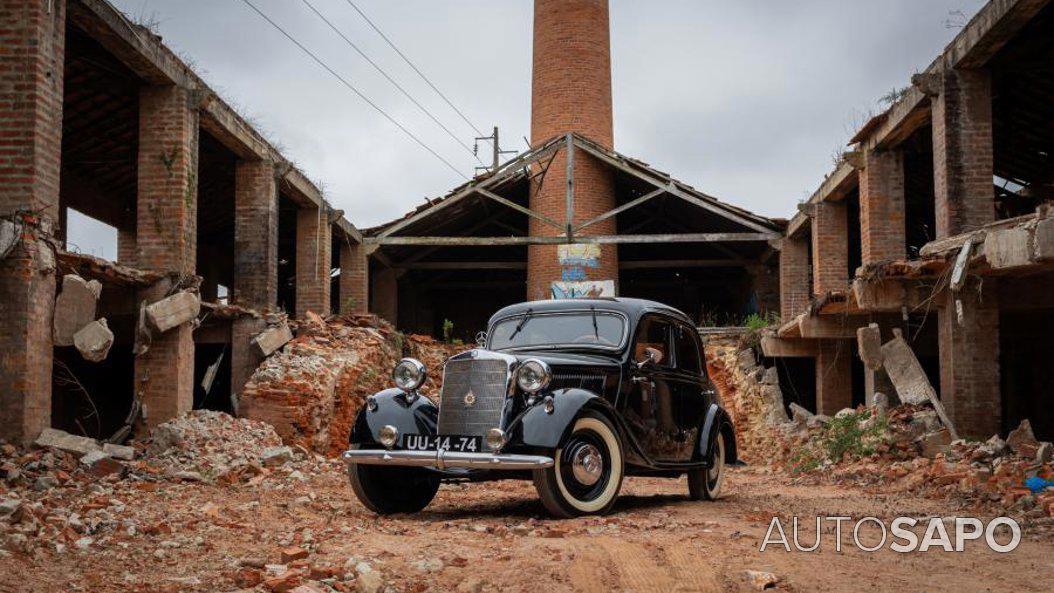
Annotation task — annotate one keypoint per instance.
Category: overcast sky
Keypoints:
(744, 99)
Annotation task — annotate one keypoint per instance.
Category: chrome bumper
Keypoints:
(445, 459)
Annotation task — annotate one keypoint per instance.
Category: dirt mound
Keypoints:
(312, 390)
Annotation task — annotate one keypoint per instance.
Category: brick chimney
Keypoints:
(571, 92)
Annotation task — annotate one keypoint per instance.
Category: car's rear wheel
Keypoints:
(587, 470)
(386, 490)
(705, 484)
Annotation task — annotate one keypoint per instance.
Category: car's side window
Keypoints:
(654, 333)
(686, 349)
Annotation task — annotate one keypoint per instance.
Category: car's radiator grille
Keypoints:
(464, 414)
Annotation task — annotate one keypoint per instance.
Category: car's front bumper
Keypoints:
(442, 460)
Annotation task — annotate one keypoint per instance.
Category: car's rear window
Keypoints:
(588, 329)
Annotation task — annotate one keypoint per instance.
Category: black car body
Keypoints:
(623, 370)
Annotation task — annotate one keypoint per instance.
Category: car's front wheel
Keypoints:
(705, 484)
(386, 490)
(587, 470)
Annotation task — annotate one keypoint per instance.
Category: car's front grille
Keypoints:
(473, 396)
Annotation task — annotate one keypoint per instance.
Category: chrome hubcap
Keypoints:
(587, 465)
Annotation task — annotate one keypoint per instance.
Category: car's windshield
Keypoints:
(580, 328)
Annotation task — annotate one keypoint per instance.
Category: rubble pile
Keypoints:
(903, 448)
(750, 394)
(204, 445)
(312, 389)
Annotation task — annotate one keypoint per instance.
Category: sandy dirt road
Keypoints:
(494, 537)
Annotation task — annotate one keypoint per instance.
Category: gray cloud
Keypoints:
(745, 99)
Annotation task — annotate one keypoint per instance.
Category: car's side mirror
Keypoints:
(652, 356)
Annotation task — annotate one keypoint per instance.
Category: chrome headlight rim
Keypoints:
(533, 375)
(409, 374)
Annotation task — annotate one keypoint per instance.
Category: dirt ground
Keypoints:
(494, 537)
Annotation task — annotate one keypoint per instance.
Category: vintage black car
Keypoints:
(574, 394)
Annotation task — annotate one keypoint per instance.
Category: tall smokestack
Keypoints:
(571, 92)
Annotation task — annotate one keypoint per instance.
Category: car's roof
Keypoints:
(633, 308)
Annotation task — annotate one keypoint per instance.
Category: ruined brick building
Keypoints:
(958, 168)
(97, 115)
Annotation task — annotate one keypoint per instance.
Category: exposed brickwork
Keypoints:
(126, 248)
(354, 278)
(313, 253)
(834, 376)
(962, 152)
(255, 235)
(882, 219)
(31, 75)
(244, 358)
(830, 248)
(166, 238)
(571, 86)
(795, 274)
(969, 359)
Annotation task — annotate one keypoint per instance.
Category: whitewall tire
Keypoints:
(587, 472)
(705, 484)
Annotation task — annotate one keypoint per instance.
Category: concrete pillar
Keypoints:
(969, 359)
(354, 278)
(385, 297)
(166, 240)
(255, 235)
(877, 381)
(882, 220)
(795, 287)
(830, 248)
(571, 92)
(31, 76)
(962, 152)
(313, 247)
(834, 376)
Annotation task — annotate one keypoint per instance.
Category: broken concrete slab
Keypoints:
(272, 339)
(932, 443)
(93, 341)
(173, 311)
(909, 378)
(1043, 240)
(64, 441)
(800, 414)
(74, 307)
(1007, 248)
(869, 345)
(119, 451)
(1045, 452)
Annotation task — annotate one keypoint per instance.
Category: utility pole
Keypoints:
(497, 151)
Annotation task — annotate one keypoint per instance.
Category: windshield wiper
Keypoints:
(596, 331)
(523, 322)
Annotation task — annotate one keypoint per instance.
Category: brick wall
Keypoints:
(882, 220)
(962, 152)
(834, 376)
(795, 283)
(969, 360)
(255, 235)
(126, 247)
(313, 254)
(31, 75)
(830, 248)
(354, 278)
(571, 92)
(385, 295)
(166, 239)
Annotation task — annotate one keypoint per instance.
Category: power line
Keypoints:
(411, 64)
(390, 79)
(352, 88)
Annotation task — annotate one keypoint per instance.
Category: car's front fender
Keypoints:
(393, 407)
(537, 428)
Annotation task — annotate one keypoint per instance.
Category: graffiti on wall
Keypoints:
(575, 259)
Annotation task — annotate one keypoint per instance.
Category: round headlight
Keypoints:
(533, 375)
(409, 374)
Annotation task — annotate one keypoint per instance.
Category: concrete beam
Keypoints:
(789, 347)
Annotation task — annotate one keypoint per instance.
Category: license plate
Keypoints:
(424, 442)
